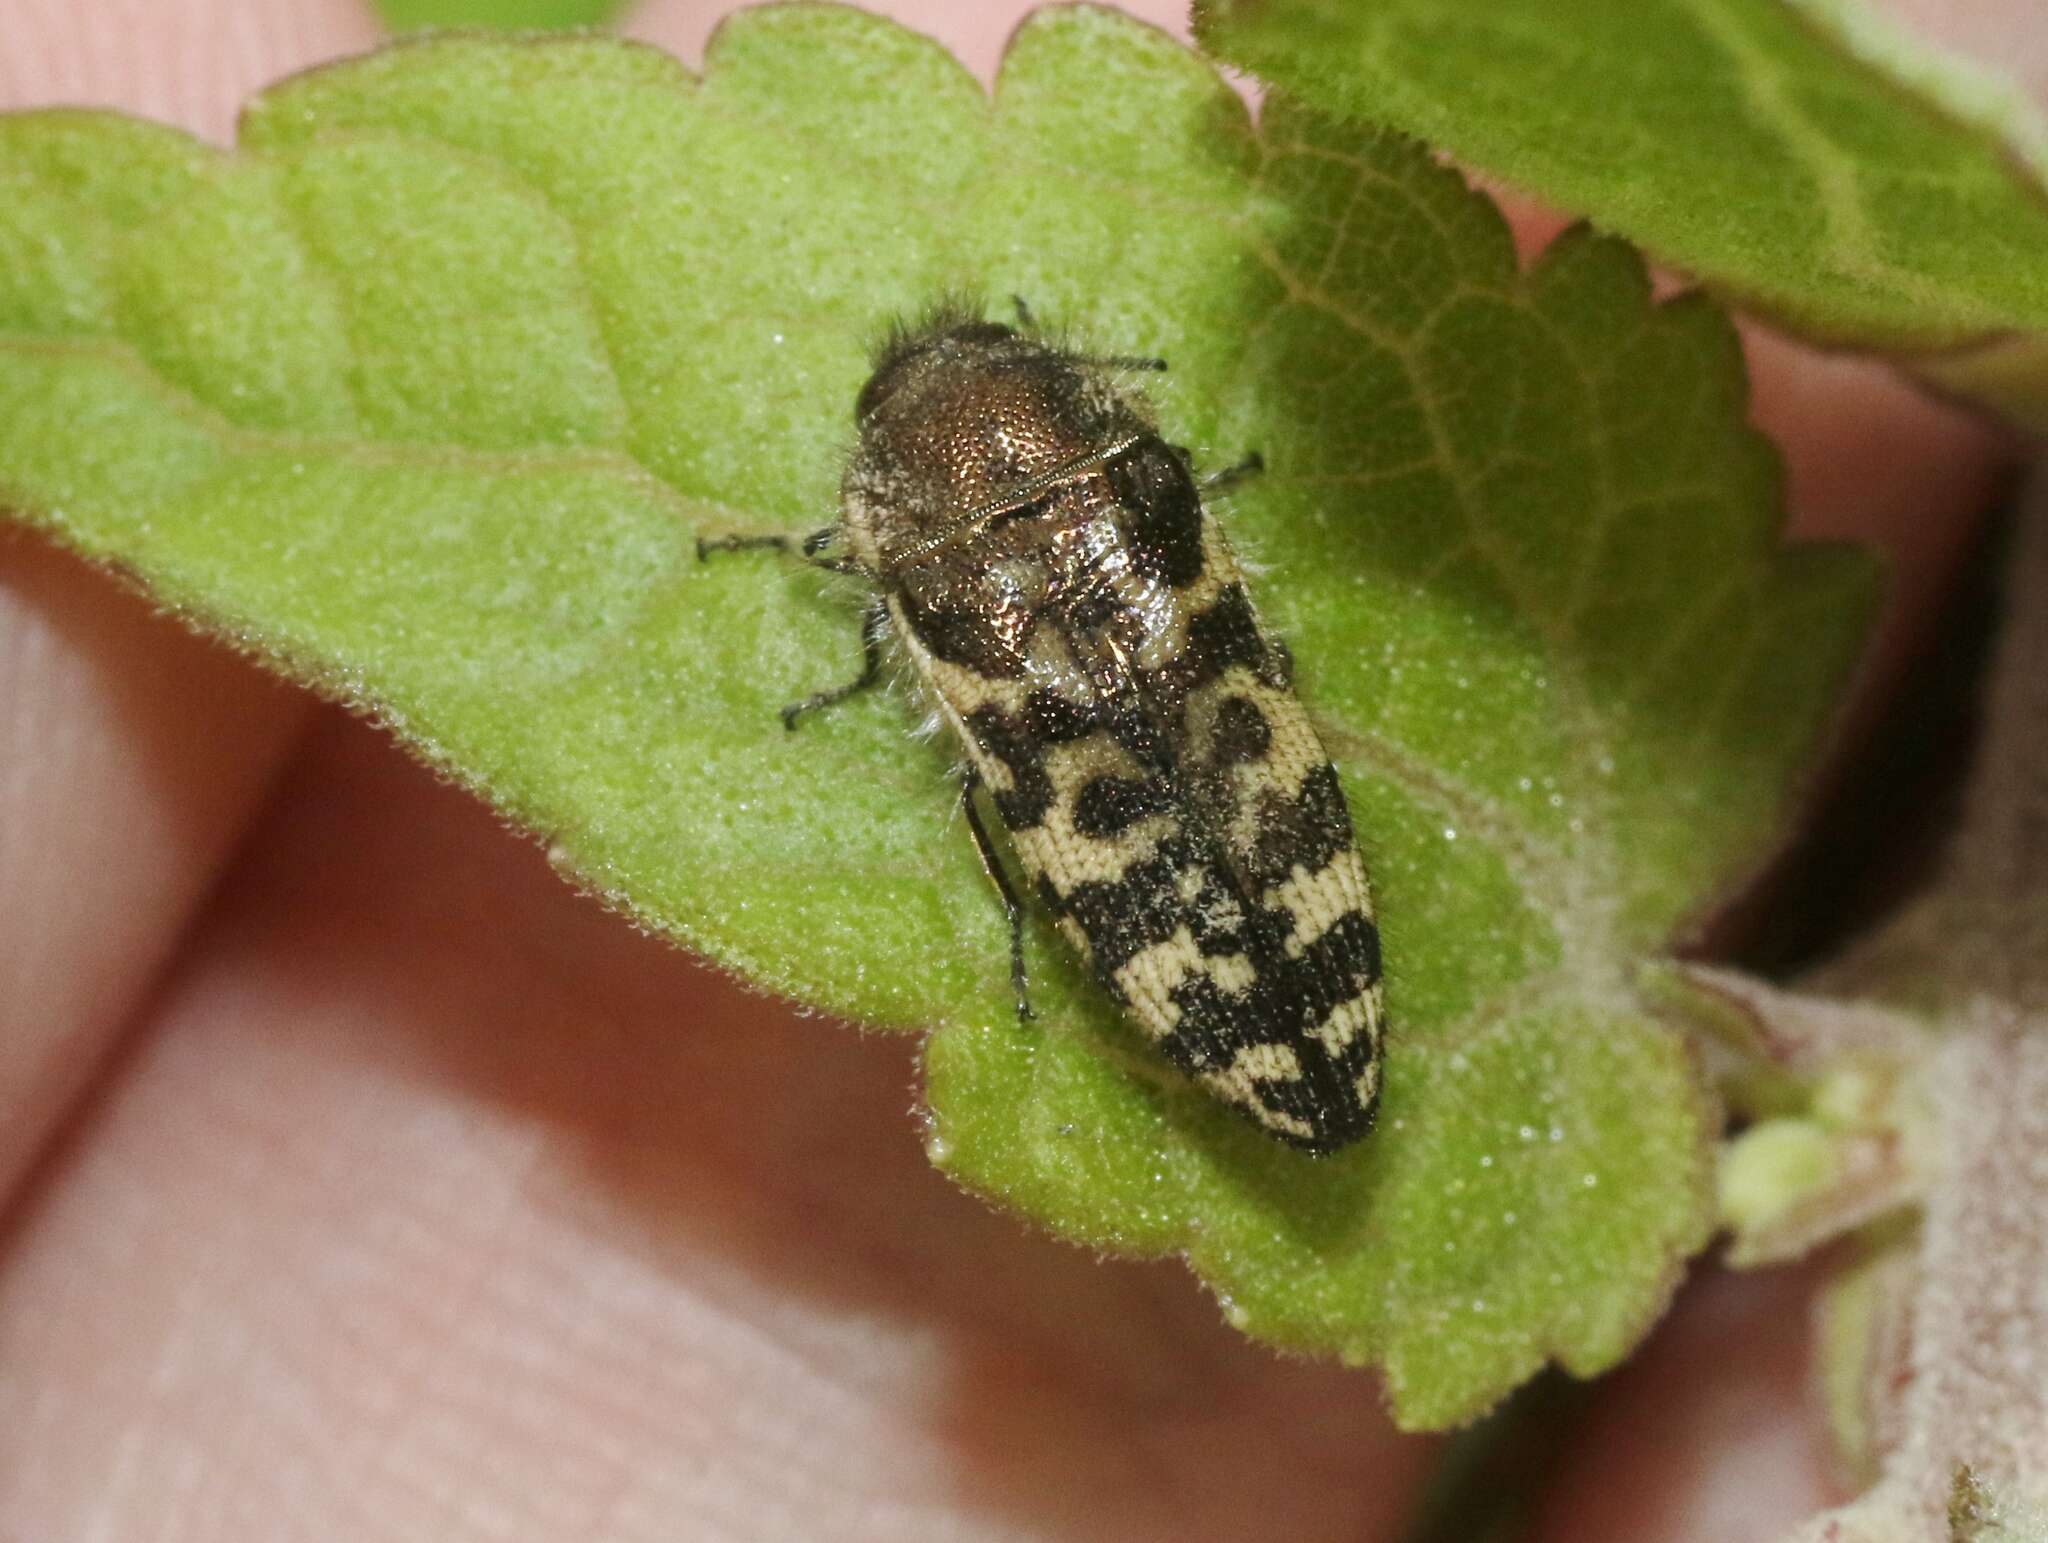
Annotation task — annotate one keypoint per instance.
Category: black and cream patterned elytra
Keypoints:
(1047, 563)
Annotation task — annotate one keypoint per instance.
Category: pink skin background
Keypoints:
(361, 1181)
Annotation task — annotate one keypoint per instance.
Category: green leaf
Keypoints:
(509, 15)
(1740, 140)
(424, 392)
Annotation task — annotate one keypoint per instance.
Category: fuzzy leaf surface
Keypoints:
(1745, 141)
(423, 392)
(507, 15)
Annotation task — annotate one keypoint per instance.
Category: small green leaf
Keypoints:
(1740, 140)
(1861, 1320)
(1772, 1168)
(508, 15)
(424, 392)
